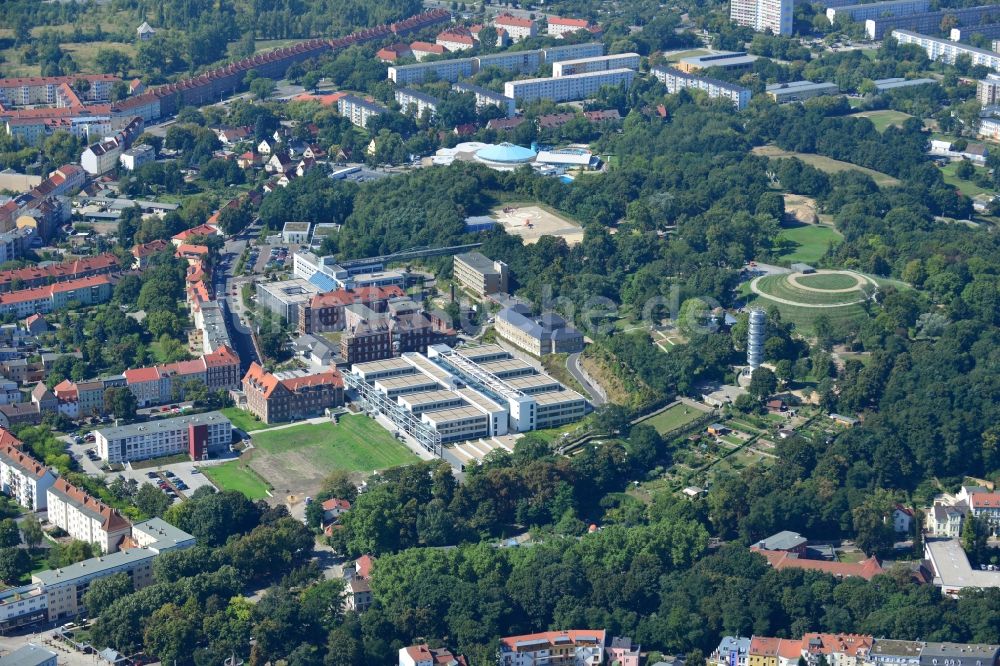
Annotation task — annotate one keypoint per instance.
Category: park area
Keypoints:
(883, 119)
(532, 221)
(244, 420)
(827, 164)
(674, 418)
(296, 460)
(807, 243)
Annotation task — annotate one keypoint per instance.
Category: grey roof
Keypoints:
(889, 84)
(28, 655)
(416, 94)
(737, 644)
(162, 425)
(799, 86)
(479, 90)
(952, 570)
(478, 261)
(784, 540)
(896, 648)
(960, 654)
(167, 536)
(95, 566)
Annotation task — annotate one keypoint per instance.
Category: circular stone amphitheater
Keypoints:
(822, 289)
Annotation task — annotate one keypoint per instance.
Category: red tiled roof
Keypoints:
(780, 559)
(68, 269)
(330, 377)
(150, 248)
(38, 293)
(507, 19)
(363, 566)
(333, 504)
(112, 520)
(185, 249)
(574, 635)
(984, 500)
(262, 380)
(341, 297)
(22, 460)
(764, 646)
(572, 22)
(142, 375)
(790, 648)
(221, 356)
(853, 645)
(425, 47)
(7, 439)
(200, 230)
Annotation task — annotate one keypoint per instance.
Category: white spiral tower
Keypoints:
(755, 339)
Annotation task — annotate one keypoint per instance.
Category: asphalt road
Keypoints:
(597, 397)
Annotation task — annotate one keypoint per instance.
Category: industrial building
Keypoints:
(596, 64)
(567, 88)
(453, 395)
(797, 91)
(761, 15)
(946, 51)
(676, 80)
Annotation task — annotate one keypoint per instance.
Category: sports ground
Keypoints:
(296, 460)
(531, 222)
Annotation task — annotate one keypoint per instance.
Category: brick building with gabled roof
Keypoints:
(275, 399)
(325, 312)
(780, 559)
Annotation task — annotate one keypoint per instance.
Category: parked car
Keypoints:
(150, 475)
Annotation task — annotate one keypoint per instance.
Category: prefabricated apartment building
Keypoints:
(453, 395)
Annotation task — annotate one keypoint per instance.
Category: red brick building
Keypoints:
(273, 399)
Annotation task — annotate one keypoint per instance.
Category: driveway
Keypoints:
(597, 395)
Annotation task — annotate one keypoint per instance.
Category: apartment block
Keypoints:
(291, 396)
(197, 435)
(567, 88)
(988, 90)
(761, 15)
(39, 276)
(22, 477)
(555, 54)
(946, 51)
(486, 97)
(416, 103)
(480, 275)
(518, 28)
(930, 22)
(512, 62)
(676, 80)
(560, 27)
(964, 34)
(43, 300)
(443, 70)
(874, 10)
(576, 647)
(84, 517)
(358, 111)
(596, 64)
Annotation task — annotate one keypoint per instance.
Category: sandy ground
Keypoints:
(539, 223)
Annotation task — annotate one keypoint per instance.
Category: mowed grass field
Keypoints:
(827, 164)
(828, 281)
(780, 287)
(245, 421)
(671, 419)
(810, 241)
(237, 475)
(966, 187)
(296, 460)
(884, 118)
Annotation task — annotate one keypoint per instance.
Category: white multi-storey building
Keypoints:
(676, 80)
(761, 15)
(596, 64)
(988, 90)
(416, 103)
(443, 70)
(198, 435)
(873, 10)
(358, 111)
(486, 97)
(567, 88)
(86, 518)
(946, 51)
(24, 478)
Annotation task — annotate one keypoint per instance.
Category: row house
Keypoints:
(83, 291)
(579, 647)
(947, 514)
(848, 649)
(38, 276)
(275, 398)
(156, 385)
(85, 518)
(22, 477)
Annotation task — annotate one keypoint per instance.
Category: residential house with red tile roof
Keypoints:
(85, 518)
(274, 399)
(560, 27)
(573, 646)
(838, 649)
(37, 276)
(423, 655)
(144, 251)
(83, 291)
(394, 52)
(986, 506)
(185, 236)
(421, 50)
(518, 28)
(456, 39)
(866, 569)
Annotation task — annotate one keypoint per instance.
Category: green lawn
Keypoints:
(810, 242)
(884, 119)
(967, 187)
(676, 57)
(356, 444)
(827, 164)
(237, 475)
(828, 281)
(674, 418)
(245, 421)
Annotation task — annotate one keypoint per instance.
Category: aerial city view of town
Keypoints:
(514, 333)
